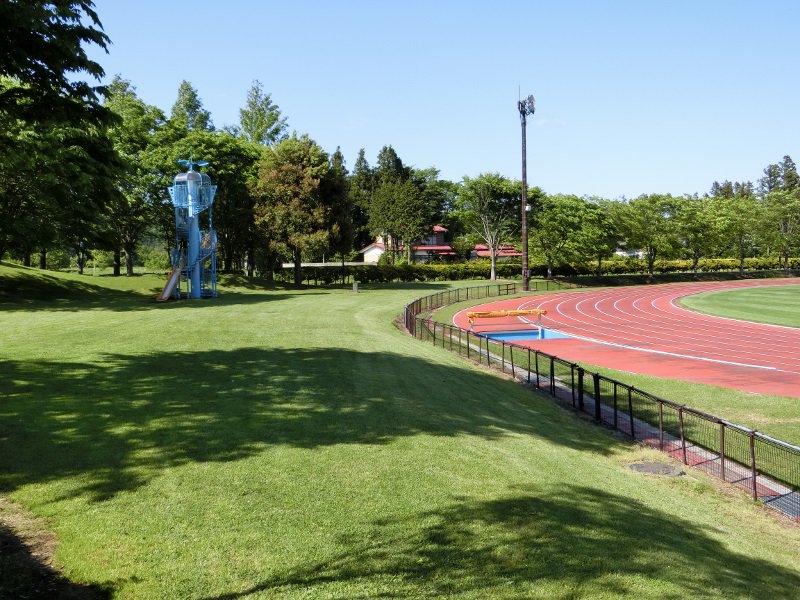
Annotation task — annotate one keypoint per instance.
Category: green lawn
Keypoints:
(296, 444)
(775, 305)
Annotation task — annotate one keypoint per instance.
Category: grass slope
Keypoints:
(295, 444)
(775, 305)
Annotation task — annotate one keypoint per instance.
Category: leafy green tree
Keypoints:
(771, 179)
(556, 226)
(42, 47)
(598, 237)
(335, 190)
(405, 203)
(646, 225)
(724, 189)
(781, 209)
(399, 210)
(779, 176)
(388, 193)
(53, 185)
(291, 202)
(188, 112)
(695, 227)
(360, 185)
(54, 156)
(260, 120)
(390, 166)
(131, 210)
(790, 180)
(488, 207)
(738, 220)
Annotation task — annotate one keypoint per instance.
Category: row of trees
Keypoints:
(86, 169)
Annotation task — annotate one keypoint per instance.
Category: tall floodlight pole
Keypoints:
(526, 107)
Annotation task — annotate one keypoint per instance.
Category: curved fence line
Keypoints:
(768, 468)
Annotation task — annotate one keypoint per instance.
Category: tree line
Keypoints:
(84, 170)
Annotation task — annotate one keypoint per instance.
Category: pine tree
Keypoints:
(188, 112)
(261, 119)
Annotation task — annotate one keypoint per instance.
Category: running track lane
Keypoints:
(643, 330)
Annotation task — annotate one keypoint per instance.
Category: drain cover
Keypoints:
(656, 468)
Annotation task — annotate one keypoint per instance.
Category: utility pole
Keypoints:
(526, 107)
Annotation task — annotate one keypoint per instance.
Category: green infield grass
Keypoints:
(282, 443)
(778, 305)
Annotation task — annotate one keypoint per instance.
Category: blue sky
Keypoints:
(632, 97)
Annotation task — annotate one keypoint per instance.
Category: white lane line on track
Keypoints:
(678, 355)
(671, 316)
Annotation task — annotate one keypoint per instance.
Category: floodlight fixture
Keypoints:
(527, 106)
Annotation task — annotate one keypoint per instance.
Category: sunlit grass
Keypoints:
(774, 305)
(295, 443)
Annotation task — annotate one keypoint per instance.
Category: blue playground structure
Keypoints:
(194, 259)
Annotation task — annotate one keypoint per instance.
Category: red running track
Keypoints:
(644, 330)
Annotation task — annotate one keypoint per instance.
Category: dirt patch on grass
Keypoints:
(27, 547)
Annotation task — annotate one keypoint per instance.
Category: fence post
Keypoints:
(434, 334)
(753, 463)
(580, 387)
(630, 412)
(683, 437)
(529, 366)
(722, 450)
(552, 377)
(467, 342)
(660, 425)
(511, 356)
(598, 416)
(615, 405)
(502, 355)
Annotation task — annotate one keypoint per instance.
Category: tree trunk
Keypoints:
(493, 261)
(26, 259)
(129, 254)
(117, 262)
(549, 268)
(250, 260)
(599, 265)
(43, 258)
(298, 269)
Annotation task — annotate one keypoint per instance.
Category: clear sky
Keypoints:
(632, 97)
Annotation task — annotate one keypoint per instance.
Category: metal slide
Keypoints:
(172, 281)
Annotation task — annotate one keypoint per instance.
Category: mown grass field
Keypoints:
(777, 306)
(280, 443)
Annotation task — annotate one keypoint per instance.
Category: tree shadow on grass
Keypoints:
(48, 293)
(117, 423)
(549, 543)
(23, 574)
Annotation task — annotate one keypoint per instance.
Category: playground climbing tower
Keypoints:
(194, 258)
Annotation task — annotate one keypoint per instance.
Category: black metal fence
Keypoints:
(769, 469)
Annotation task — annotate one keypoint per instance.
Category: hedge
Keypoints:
(370, 273)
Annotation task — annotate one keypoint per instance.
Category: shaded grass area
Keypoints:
(25, 555)
(295, 444)
(774, 305)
